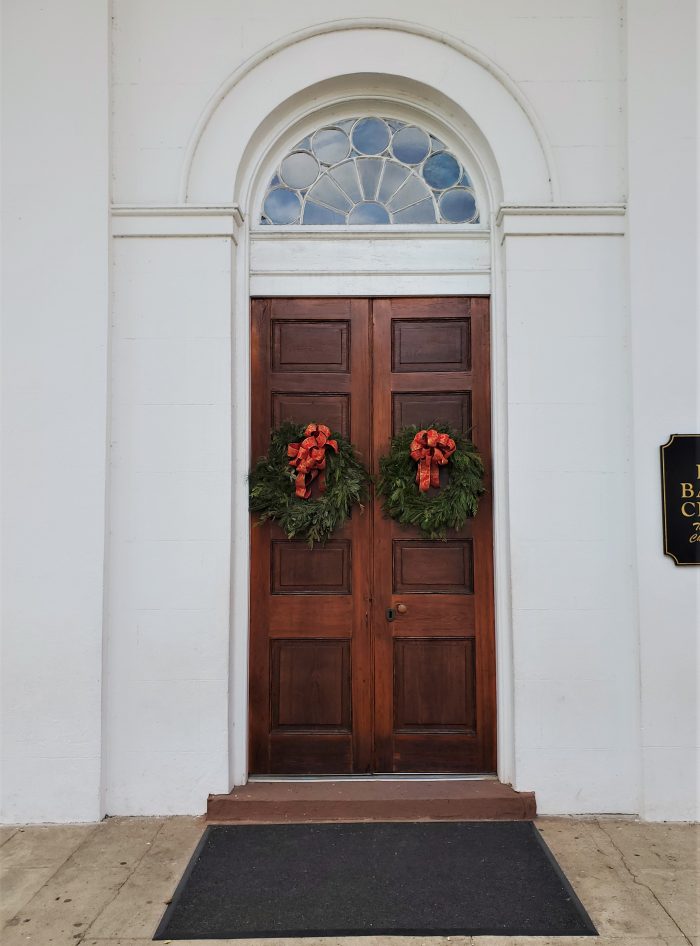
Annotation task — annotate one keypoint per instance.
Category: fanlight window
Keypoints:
(370, 171)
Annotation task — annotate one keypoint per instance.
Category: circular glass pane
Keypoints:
(458, 205)
(411, 145)
(330, 145)
(371, 136)
(441, 170)
(299, 169)
(369, 212)
(282, 205)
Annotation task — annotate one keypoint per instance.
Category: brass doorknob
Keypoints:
(401, 608)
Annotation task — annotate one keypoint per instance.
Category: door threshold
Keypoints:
(278, 800)
(476, 777)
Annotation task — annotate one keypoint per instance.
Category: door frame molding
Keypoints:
(470, 277)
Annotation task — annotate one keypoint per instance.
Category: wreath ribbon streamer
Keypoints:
(309, 458)
(430, 450)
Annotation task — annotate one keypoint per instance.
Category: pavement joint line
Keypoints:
(11, 835)
(48, 880)
(640, 883)
(137, 864)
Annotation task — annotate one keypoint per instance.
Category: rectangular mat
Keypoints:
(425, 879)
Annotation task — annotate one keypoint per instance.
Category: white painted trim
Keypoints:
(561, 221)
(175, 221)
(310, 80)
(564, 220)
(367, 262)
(559, 210)
(365, 23)
(402, 284)
(370, 284)
(391, 232)
(503, 605)
(240, 516)
(517, 220)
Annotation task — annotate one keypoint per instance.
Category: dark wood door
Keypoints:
(336, 687)
(434, 697)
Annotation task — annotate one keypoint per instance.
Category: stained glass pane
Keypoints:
(422, 212)
(413, 190)
(370, 171)
(326, 191)
(299, 169)
(369, 212)
(458, 205)
(345, 175)
(411, 145)
(442, 170)
(316, 214)
(394, 176)
(282, 205)
(330, 145)
(371, 135)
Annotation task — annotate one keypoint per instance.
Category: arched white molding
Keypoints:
(346, 97)
(259, 111)
(376, 49)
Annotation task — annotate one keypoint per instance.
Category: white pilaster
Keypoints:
(55, 315)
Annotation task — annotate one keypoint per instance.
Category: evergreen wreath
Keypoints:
(273, 480)
(447, 508)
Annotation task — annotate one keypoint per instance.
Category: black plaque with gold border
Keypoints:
(680, 491)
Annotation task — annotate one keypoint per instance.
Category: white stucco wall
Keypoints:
(55, 237)
(167, 622)
(662, 114)
(565, 56)
(596, 610)
(574, 630)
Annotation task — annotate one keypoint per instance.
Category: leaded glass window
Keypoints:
(373, 171)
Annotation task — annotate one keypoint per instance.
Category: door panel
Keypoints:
(335, 687)
(433, 664)
(310, 691)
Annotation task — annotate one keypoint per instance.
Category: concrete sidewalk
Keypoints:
(108, 884)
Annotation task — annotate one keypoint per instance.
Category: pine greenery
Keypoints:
(272, 493)
(433, 513)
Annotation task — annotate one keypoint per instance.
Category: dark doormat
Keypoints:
(424, 879)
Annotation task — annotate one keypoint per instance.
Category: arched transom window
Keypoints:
(371, 171)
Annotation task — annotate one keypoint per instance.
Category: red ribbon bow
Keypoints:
(309, 458)
(430, 450)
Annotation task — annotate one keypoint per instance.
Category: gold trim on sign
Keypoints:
(662, 448)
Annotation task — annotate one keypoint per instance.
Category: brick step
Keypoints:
(371, 800)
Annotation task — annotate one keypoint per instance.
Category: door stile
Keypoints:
(383, 644)
(259, 654)
(361, 525)
(483, 535)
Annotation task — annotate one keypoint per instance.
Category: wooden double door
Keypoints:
(375, 651)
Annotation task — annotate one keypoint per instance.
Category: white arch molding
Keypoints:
(378, 47)
(339, 69)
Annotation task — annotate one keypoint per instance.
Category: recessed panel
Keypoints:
(310, 684)
(430, 345)
(423, 410)
(323, 570)
(434, 684)
(433, 567)
(333, 410)
(310, 347)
